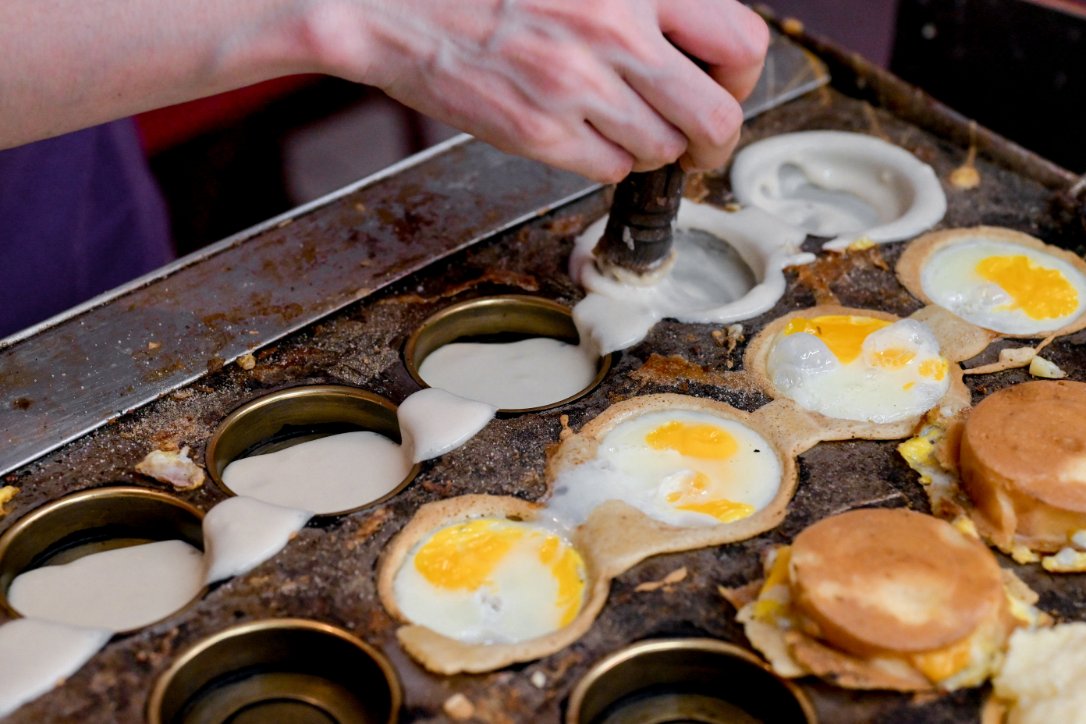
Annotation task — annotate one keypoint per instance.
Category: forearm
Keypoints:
(65, 65)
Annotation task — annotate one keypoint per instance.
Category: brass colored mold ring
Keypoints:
(513, 315)
(93, 521)
(275, 670)
(685, 679)
(297, 414)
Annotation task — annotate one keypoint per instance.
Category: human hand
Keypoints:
(600, 87)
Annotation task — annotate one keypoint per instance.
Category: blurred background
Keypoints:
(227, 162)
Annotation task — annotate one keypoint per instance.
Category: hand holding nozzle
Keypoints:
(636, 243)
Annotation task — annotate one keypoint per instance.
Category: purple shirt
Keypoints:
(79, 214)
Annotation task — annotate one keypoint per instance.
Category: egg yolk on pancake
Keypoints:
(696, 440)
(701, 441)
(844, 334)
(1040, 292)
(465, 557)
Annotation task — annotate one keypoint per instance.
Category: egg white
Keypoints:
(804, 369)
(627, 468)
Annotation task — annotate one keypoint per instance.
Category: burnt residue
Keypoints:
(327, 572)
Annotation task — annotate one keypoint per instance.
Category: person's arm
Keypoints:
(594, 86)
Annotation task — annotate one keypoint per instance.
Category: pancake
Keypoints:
(893, 581)
(1023, 464)
(886, 599)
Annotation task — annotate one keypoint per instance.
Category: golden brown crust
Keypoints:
(852, 672)
(445, 655)
(958, 339)
(1023, 463)
(893, 581)
(910, 266)
(756, 363)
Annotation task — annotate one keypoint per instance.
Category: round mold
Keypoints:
(498, 319)
(689, 680)
(294, 670)
(94, 521)
(299, 414)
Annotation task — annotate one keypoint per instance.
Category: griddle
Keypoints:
(348, 279)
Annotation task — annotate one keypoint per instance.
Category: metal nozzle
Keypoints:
(639, 230)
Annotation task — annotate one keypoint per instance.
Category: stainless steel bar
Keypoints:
(78, 371)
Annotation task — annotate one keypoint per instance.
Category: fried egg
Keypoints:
(1005, 287)
(491, 580)
(681, 467)
(856, 367)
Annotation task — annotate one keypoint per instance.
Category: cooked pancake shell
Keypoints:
(893, 581)
(1023, 463)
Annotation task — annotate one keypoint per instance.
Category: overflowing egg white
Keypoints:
(854, 367)
(681, 467)
(491, 580)
(1005, 287)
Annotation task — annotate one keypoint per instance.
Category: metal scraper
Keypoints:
(638, 235)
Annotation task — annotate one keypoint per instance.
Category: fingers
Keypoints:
(581, 149)
(630, 122)
(692, 101)
(729, 37)
(596, 88)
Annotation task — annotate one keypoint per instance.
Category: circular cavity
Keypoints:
(113, 544)
(518, 353)
(879, 580)
(846, 186)
(856, 365)
(683, 467)
(1023, 462)
(327, 449)
(292, 670)
(998, 279)
(726, 267)
(491, 580)
(690, 680)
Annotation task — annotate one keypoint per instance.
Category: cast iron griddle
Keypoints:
(327, 573)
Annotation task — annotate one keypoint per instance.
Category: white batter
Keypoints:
(127, 588)
(511, 376)
(242, 532)
(842, 185)
(732, 272)
(117, 590)
(434, 422)
(327, 475)
(36, 655)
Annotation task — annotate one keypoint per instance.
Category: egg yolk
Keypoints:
(465, 556)
(697, 440)
(940, 665)
(844, 334)
(694, 497)
(893, 359)
(767, 608)
(935, 368)
(1040, 292)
